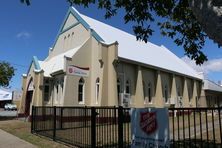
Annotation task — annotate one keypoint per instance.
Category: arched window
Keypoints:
(127, 91)
(46, 89)
(166, 93)
(97, 90)
(81, 91)
(118, 90)
(149, 93)
(57, 90)
(178, 91)
(62, 83)
(118, 86)
(144, 91)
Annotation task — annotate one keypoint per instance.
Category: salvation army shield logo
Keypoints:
(148, 122)
(70, 70)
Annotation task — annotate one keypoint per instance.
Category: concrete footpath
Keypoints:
(10, 141)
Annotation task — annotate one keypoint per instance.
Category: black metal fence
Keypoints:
(195, 127)
(84, 126)
(111, 127)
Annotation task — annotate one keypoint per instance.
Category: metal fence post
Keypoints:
(61, 116)
(32, 120)
(120, 126)
(93, 127)
(54, 123)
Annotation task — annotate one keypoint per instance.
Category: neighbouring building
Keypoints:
(211, 95)
(95, 64)
(5, 97)
(16, 97)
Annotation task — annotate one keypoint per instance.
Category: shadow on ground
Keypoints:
(195, 143)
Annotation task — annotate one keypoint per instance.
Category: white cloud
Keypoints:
(23, 34)
(213, 65)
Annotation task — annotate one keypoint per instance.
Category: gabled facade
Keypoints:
(94, 64)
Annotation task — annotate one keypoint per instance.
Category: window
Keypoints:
(178, 91)
(62, 83)
(149, 92)
(127, 87)
(97, 90)
(144, 91)
(57, 90)
(118, 87)
(46, 90)
(81, 90)
(189, 93)
(166, 94)
(118, 90)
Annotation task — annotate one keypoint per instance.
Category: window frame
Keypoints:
(149, 93)
(97, 90)
(82, 85)
(166, 99)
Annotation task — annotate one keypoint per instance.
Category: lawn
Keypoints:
(21, 129)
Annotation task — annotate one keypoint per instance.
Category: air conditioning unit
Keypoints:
(124, 100)
(172, 101)
(180, 101)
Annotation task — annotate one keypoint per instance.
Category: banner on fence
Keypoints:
(150, 128)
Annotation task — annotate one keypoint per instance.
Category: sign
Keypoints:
(78, 71)
(150, 128)
(5, 95)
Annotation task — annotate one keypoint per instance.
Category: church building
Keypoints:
(94, 64)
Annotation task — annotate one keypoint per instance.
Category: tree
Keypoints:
(177, 21)
(6, 73)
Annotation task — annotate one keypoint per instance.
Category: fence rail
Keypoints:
(111, 127)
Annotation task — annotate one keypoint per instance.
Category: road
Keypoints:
(4, 113)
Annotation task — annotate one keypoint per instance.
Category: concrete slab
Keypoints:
(10, 141)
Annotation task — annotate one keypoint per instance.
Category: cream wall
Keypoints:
(187, 87)
(71, 20)
(166, 82)
(149, 76)
(70, 39)
(82, 59)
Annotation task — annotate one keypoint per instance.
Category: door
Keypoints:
(28, 102)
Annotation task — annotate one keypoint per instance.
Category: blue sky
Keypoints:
(30, 30)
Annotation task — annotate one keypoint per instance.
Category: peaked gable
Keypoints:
(70, 21)
(73, 18)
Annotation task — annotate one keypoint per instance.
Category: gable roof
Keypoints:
(128, 47)
(57, 63)
(209, 85)
(131, 49)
